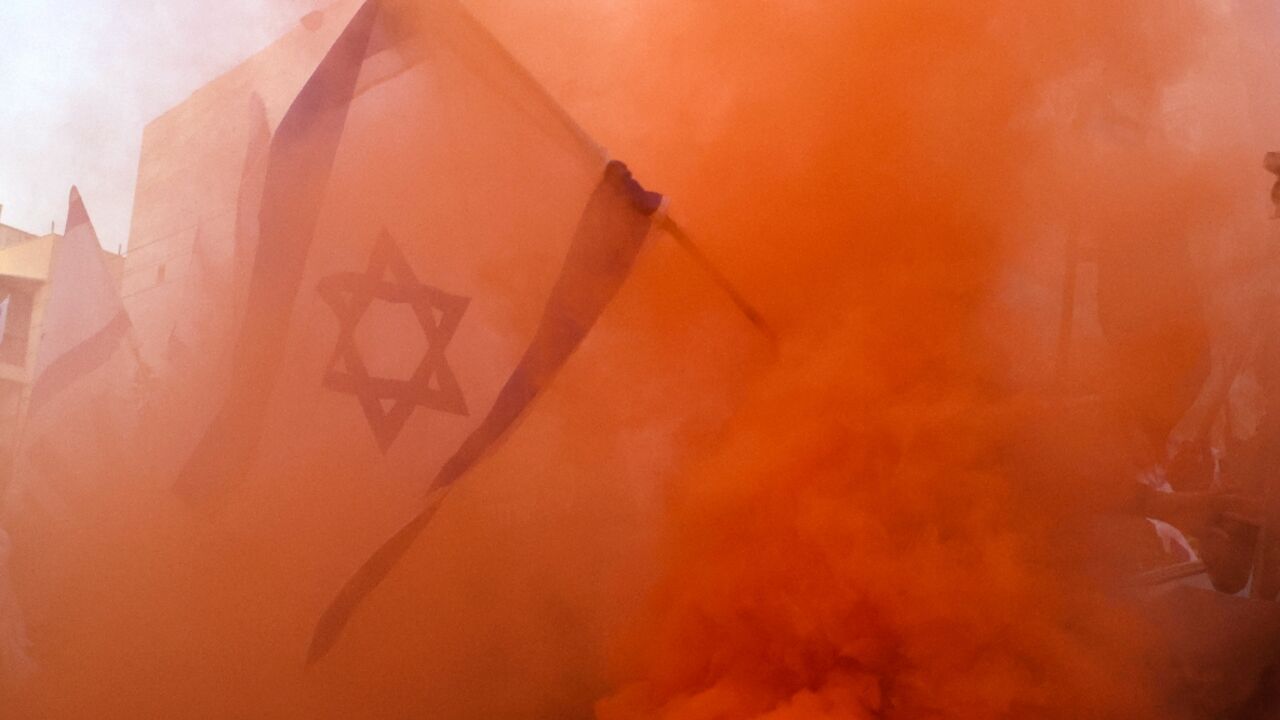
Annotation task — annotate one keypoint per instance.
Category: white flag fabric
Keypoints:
(84, 321)
(436, 238)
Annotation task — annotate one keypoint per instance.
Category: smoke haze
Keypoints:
(892, 517)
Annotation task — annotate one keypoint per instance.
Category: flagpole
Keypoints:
(582, 136)
(678, 233)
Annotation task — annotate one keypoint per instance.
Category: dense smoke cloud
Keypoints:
(899, 182)
(894, 517)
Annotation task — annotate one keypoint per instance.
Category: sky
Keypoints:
(80, 79)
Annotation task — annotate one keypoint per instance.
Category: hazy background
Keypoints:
(892, 182)
(79, 79)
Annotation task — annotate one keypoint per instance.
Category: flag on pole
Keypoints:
(78, 409)
(436, 238)
(84, 322)
(447, 190)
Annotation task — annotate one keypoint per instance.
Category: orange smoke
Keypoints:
(890, 521)
(896, 180)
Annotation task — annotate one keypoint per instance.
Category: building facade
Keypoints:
(191, 170)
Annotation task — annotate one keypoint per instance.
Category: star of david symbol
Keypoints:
(389, 278)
